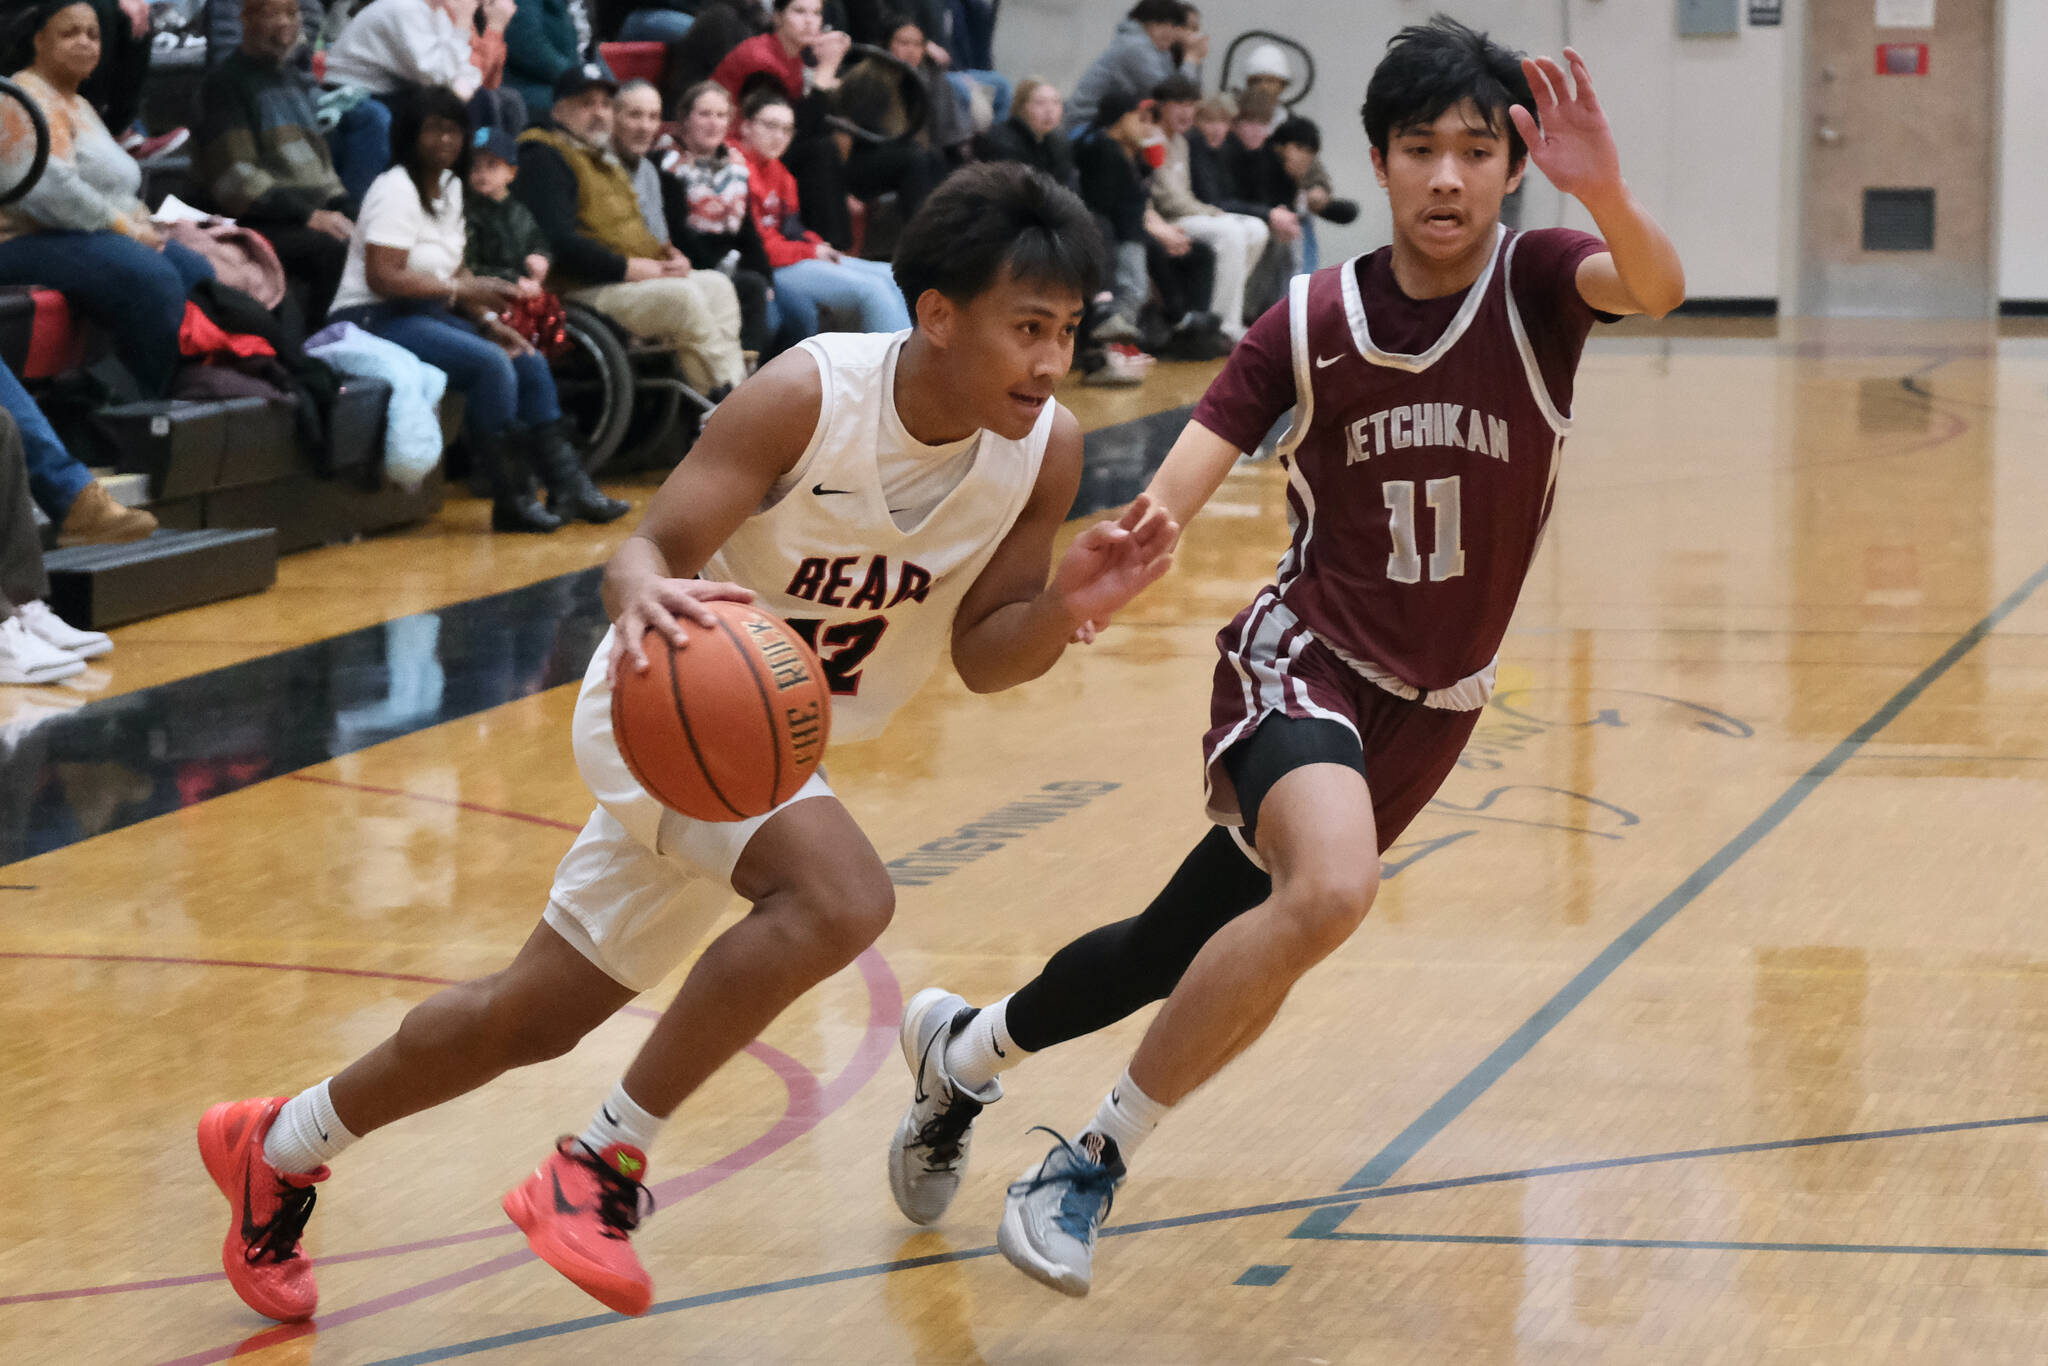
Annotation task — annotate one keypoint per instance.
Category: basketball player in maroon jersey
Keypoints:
(1432, 386)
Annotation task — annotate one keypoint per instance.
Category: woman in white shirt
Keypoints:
(405, 282)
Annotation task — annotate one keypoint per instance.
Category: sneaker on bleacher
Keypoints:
(96, 519)
(26, 657)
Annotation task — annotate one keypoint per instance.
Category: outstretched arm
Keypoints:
(1017, 619)
(1570, 142)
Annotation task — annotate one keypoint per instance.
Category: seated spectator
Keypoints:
(949, 125)
(1238, 240)
(1138, 58)
(83, 511)
(114, 89)
(391, 44)
(1283, 172)
(405, 282)
(702, 194)
(956, 46)
(606, 257)
(36, 646)
(261, 159)
(1032, 134)
(801, 58)
(541, 43)
(81, 230)
(872, 97)
(1266, 79)
(1115, 185)
(506, 241)
(809, 271)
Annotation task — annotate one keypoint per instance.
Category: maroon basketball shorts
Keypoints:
(1271, 665)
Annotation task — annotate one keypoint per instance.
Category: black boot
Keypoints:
(513, 505)
(570, 492)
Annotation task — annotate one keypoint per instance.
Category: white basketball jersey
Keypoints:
(876, 601)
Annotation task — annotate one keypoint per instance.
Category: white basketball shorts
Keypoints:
(642, 883)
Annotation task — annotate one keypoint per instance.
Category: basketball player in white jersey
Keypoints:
(894, 496)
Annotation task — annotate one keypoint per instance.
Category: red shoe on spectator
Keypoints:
(142, 147)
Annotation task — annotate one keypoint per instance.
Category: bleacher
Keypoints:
(211, 472)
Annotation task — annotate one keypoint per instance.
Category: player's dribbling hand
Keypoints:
(1112, 562)
(1568, 136)
(657, 604)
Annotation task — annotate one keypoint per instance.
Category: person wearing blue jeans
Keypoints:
(137, 294)
(809, 271)
(361, 145)
(865, 288)
(62, 487)
(656, 26)
(405, 282)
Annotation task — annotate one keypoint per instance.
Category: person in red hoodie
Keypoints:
(801, 57)
(809, 271)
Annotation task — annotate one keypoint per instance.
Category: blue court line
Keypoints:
(1518, 1045)
(1344, 1201)
(1498, 1240)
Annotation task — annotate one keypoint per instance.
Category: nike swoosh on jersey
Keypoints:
(1323, 362)
(821, 491)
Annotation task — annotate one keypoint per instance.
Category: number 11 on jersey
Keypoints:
(1447, 560)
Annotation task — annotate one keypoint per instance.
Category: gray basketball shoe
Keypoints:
(1053, 1212)
(928, 1155)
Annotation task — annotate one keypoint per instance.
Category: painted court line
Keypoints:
(801, 1086)
(1345, 1200)
(1498, 1240)
(1518, 1045)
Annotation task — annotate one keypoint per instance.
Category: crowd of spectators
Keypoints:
(443, 174)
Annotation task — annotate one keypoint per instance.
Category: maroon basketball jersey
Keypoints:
(1418, 485)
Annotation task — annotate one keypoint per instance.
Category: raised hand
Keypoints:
(1568, 136)
(1112, 562)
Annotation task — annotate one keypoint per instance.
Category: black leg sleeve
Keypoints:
(1108, 973)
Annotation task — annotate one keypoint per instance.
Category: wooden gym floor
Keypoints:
(1703, 1019)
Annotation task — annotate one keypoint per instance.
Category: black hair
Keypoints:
(890, 20)
(994, 214)
(1179, 88)
(1437, 66)
(26, 21)
(413, 107)
(1299, 132)
(759, 97)
(1159, 12)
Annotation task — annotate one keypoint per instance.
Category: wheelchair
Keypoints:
(626, 403)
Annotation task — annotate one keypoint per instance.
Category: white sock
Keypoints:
(621, 1120)
(307, 1132)
(1127, 1115)
(984, 1050)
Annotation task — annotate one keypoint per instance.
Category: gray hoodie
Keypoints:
(1130, 63)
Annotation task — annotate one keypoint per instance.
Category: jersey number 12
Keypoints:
(1447, 561)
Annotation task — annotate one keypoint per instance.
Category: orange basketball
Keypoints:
(730, 725)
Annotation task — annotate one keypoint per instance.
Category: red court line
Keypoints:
(808, 1107)
(481, 810)
(805, 1100)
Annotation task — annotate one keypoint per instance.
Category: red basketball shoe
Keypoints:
(577, 1210)
(267, 1210)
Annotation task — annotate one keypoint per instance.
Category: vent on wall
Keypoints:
(1898, 220)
